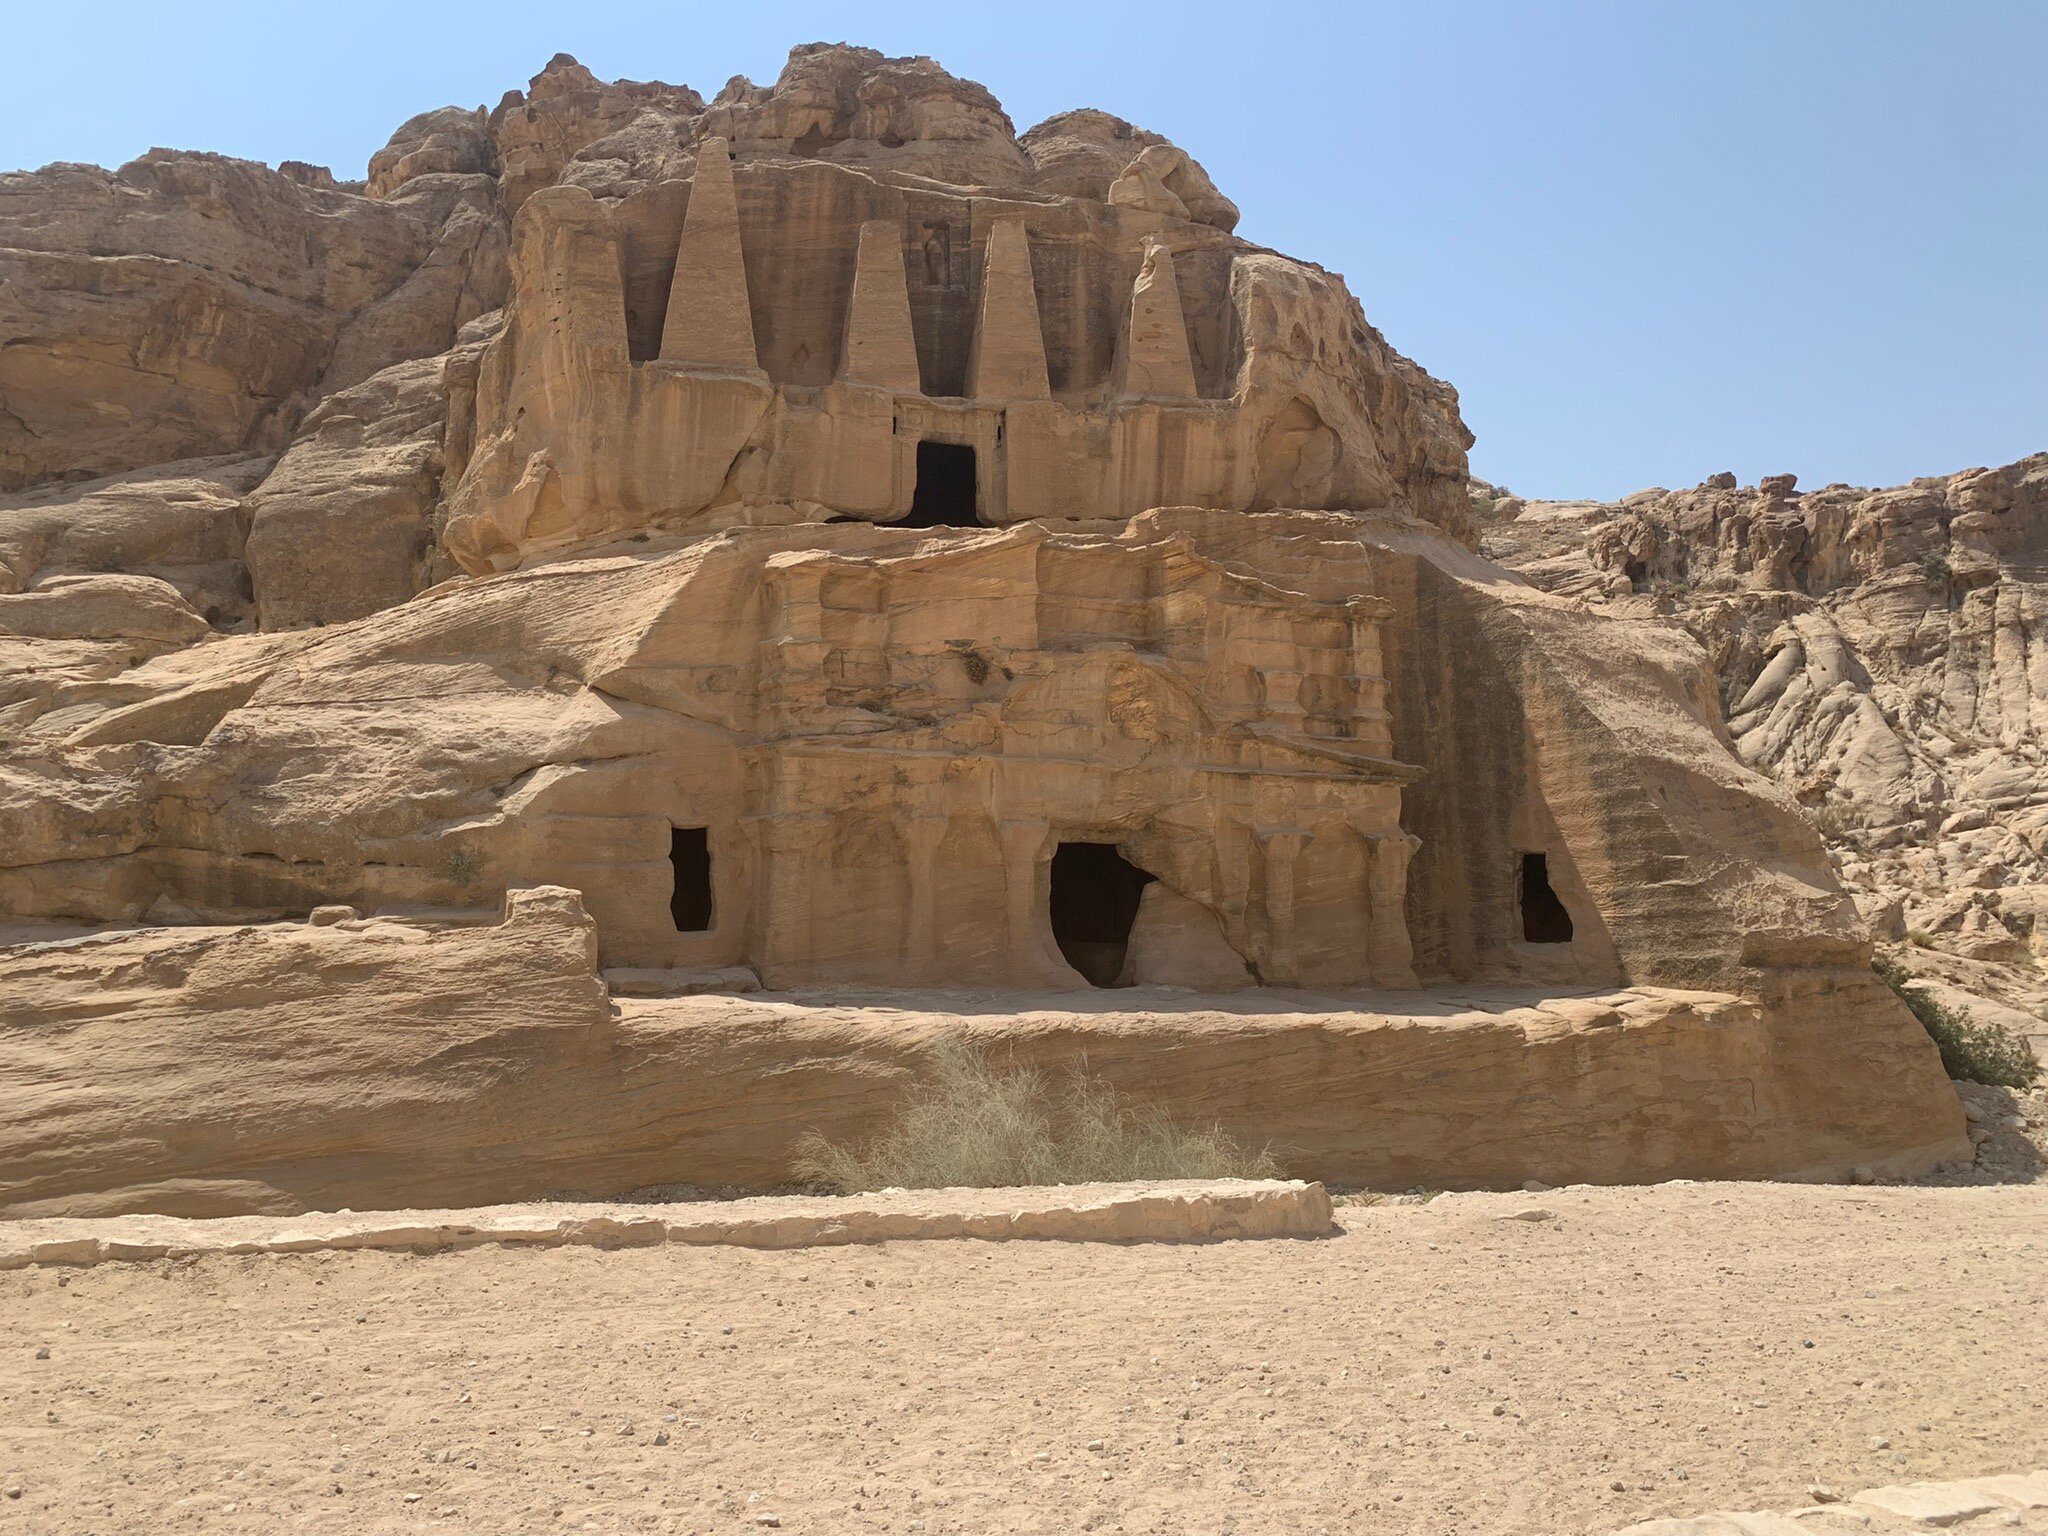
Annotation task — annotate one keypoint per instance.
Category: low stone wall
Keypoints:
(1176, 1211)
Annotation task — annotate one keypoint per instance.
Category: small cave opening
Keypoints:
(1095, 894)
(945, 494)
(689, 856)
(1544, 918)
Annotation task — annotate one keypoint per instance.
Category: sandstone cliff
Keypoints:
(1877, 653)
(852, 543)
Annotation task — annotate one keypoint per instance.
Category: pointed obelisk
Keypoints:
(1156, 361)
(1008, 360)
(710, 323)
(881, 348)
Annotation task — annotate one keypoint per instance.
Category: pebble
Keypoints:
(1880, 1443)
(1531, 1213)
(1094, 1445)
(661, 1437)
(765, 1519)
(43, 1353)
(412, 1498)
(13, 1490)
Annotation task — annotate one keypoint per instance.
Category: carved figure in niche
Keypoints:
(935, 239)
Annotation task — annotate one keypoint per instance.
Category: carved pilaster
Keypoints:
(790, 849)
(921, 838)
(1391, 953)
(1023, 854)
(1277, 854)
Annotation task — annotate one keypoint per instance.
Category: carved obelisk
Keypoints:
(710, 323)
(1008, 359)
(1156, 361)
(881, 347)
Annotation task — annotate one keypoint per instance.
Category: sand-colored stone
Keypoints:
(866, 548)
(377, 1064)
(881, 343)
(1155, 351)
(710, 320)
(1875, 653)
(1008, 360)
(1172, 1211)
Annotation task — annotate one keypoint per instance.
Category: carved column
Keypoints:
(790, 852)
(1391, 953)
(921, 838)
(1023, 850)
(1277, 853)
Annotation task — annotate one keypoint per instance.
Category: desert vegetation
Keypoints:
(974, 1121)
(1975, 1050)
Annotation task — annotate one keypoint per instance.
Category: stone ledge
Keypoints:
(1180, 1211)
(2013, 1501)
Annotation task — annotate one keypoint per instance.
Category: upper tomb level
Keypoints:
(857, 294)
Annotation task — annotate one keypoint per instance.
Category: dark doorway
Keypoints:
(1095, 892)
(945, 488)
(1544, 918)
(689, 854)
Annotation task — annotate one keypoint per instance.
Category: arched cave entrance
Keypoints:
(1544, 918)
(1095, 892)
(945, 495)
(689, 856)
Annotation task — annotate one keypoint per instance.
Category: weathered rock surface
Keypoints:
(1168, 1211)
(850, 543)
(188, 304)
(1876, 654)
(345, 525)
(374, 1063)
(2006, 1501)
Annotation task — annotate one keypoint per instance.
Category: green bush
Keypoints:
(1973, 1051)
(972, 1123)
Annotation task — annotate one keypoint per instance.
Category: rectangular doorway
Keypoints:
(689, 856)
(946, 495)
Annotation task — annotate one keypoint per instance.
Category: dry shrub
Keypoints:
(1972, 1049)
(970, 1122)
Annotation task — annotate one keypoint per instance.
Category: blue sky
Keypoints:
(1647, 240)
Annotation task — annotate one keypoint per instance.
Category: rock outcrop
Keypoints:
(1875, 652)
(849, 544)
(190, 304)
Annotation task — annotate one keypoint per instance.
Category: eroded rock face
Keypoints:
(185, 304)
(1875, 653)
(1088, 153)
(850, 544)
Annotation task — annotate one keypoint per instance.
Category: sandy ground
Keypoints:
(1438, 1368)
